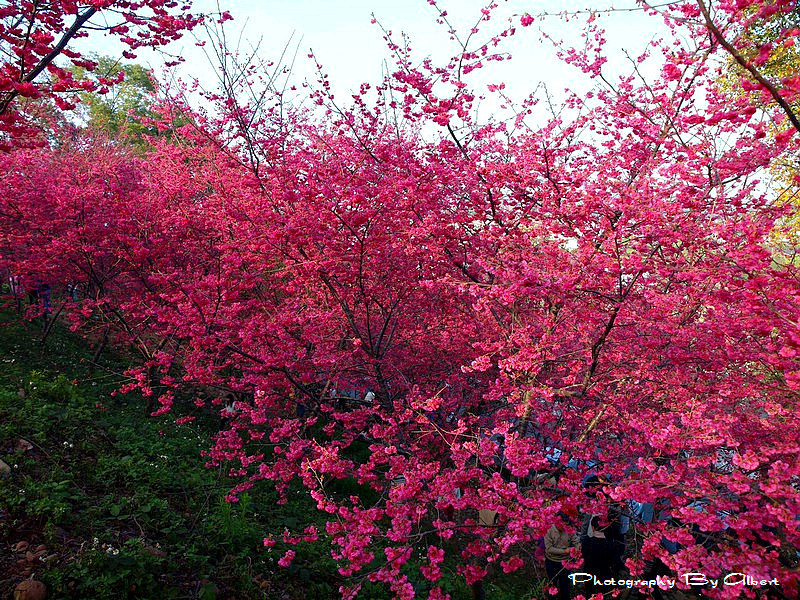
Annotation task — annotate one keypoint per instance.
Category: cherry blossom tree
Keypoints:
(457, 316)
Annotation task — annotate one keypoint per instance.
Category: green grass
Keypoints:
(120, 501)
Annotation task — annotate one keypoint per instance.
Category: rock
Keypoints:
(5, 470)
(487, 517)
(23, 445)
(30, 589)
(157, 552)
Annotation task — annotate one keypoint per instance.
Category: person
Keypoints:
(602, 553)
(44, 297)
(557, 544)
(620, 525)
(17, 290)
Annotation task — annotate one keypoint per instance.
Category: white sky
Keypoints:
(352, 49)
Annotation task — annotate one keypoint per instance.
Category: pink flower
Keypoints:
(512, 564)
(671, 72)
(287, 558)
(437, 594)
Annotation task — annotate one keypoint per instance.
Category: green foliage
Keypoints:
(122, 500)
(105, 571)
(124, 109)
(783, 58)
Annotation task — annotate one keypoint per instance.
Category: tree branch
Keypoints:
(46, 60)
(730, 49)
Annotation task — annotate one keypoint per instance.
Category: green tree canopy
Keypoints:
(124, 109)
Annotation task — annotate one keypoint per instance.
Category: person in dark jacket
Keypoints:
(602, 553)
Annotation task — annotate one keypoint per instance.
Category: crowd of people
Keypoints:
(601, 545)
(601, 541)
